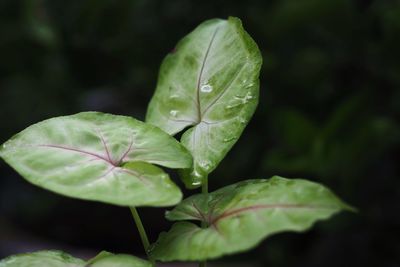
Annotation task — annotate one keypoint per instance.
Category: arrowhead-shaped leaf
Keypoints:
(102, 157)
(209, 84)
(240, 216)
(55, 258)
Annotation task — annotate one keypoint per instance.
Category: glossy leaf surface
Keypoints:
(240, 216)
(55, 258)
(107, 259)
(209, 85)
(50, 258)
(102, 157)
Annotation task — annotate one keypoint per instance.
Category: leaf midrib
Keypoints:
(212, 219)
(113, 165)
(235, 212)
(204, 61)
(80, 151)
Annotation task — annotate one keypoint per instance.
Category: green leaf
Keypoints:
(209, 85)
(240, 216)
(107, 259)
(55, 258)
(50, 258)
(101, 157)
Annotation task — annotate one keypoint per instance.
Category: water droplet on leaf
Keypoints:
(196, 178)
(250, 85)
(196, 183)
(242, 120)
(229, 139)
(231, 106)
(249, 96)
(206, 88)
(205, 165)
(173, 113)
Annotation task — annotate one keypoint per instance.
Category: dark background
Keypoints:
(328, 112)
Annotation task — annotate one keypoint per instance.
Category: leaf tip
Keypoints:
(349, 208)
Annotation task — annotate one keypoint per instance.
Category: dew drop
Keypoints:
(249, 96)
(197, 178)
(243, 99)
(206, 165)
(229, 139)
(173, 113)
(242, 120)
(197, 175)
(249, 85)
(195, 183)
(206, 88)
(232, 106)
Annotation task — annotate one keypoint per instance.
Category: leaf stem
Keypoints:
(142, 233)
(204, 192)
(204, 186)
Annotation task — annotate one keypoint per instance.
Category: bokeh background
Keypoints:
(329, 110)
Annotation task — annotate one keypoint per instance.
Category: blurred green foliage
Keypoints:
(329, 110)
